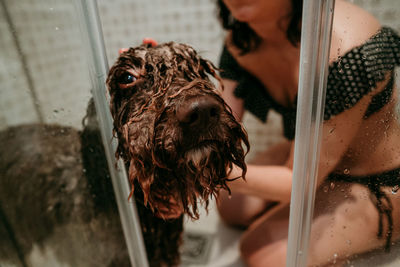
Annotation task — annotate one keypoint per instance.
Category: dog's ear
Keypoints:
(209, 68)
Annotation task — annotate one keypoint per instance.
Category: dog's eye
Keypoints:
(126, 80)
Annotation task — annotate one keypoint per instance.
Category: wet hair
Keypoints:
(246, 39)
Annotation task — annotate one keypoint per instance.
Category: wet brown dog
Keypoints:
(177, 136)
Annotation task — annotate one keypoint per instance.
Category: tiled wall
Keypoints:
(16, 103)
(56, 72)
(47, 32)
(126, 23)
(387, 11)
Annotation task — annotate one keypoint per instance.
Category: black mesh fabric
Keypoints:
(357, 73)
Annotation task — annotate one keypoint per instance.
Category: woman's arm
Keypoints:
(269, 182)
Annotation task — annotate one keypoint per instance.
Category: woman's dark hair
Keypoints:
(246, 39)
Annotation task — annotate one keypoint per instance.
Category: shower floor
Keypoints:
(209, 242)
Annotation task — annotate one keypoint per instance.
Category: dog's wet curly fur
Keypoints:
(55, 176)
(176, 161)
(56, 194)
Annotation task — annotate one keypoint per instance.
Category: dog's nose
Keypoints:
(199, 111)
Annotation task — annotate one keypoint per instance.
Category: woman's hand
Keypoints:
(269, 182)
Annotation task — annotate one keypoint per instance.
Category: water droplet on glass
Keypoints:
(334, 258)
(332, 185)
(395, 189)
(346, 171)
(339, 61)
(338, 52)
(56, 28)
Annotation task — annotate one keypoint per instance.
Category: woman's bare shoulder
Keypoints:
(352, 26)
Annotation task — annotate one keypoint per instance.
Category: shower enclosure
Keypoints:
(54, 59)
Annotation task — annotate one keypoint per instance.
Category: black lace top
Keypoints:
(351, 77)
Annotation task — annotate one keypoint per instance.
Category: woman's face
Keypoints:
(258, 10)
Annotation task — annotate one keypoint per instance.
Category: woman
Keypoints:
(359, 162)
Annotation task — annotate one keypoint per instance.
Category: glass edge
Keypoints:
(93, 42)
(314, 62)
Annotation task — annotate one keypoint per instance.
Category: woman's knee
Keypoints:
(265, 242)
(239, 210)
(270, 254)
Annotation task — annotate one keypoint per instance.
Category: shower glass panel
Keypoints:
(316, 32)
(57, 205)
(355, 219)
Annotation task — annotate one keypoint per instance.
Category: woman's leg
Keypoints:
(264, 243)
(345, 224)
(241, 210)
